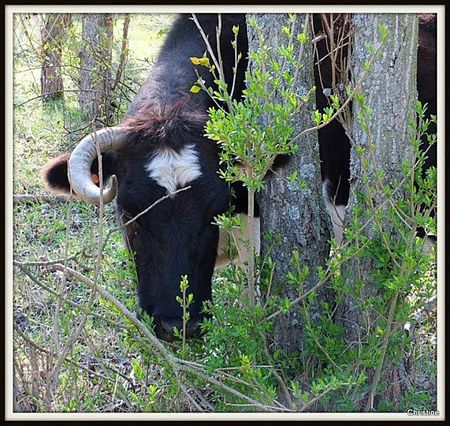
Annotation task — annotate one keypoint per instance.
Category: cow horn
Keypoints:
(79, 165)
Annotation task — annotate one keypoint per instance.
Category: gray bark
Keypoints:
(298, 216)
(95, 72)
(52, 37)
(390, 91)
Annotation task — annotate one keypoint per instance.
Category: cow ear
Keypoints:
(54, 174)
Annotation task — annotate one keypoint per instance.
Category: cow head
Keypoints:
(174, 238)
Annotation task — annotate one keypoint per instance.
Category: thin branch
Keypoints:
(232, 391)
(50, 93)
(205, 39)
(387, 335)
(80, 307)
(42, 263)
(217, 62)
(302, 48)
(67, 359)
(123, 52)
(156, 203)
(304, 295)
(189, 396)
(30, 199)
(110, 298)
(314, 400)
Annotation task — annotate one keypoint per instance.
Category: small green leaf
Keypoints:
(286, 30)
(302, 38)
(383, 32)
(317, 117)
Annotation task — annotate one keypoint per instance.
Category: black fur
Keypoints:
(55, 174)
(426, 76)
(177, 236)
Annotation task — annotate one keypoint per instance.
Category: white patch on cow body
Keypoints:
(336, 212)
(173, 170)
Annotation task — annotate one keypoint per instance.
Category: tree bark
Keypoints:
(390, 92)
(52, 37)
(95, 72)
(298, 216)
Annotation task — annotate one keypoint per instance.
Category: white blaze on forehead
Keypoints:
(173, 170)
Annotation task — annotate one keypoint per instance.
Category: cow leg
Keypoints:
(233, 245)
(223, 248)
(337, 215)
(336, 212)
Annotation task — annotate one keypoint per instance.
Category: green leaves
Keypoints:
(185, 300)
(246, 136)
(302, 38)
(201, 61)
(335, 101)
(317, 117)
(383, 32)
(250, 136)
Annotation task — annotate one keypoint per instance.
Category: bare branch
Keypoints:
(30, 199)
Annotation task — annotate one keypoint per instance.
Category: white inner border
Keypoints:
(11, 9)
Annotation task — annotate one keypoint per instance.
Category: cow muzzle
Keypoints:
(165, 328)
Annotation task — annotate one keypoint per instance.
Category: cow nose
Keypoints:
(192, 327)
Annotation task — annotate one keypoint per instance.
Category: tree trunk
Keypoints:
(298, 216)
(390, 92)
(52, 36)
(123, 53)
(95, 72)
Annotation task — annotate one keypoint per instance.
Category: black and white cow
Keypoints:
(160, 148)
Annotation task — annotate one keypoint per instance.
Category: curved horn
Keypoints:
(79, 164)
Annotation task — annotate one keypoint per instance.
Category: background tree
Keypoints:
(293, 217)
(124, 49)
(95, 72)
(53, 33)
